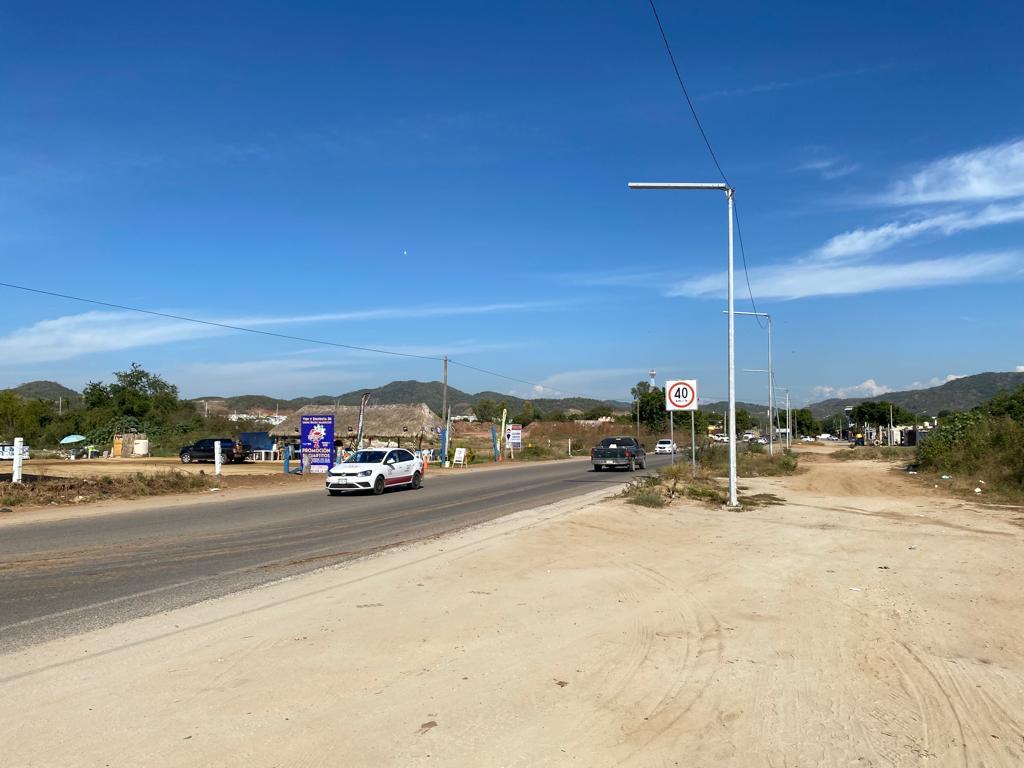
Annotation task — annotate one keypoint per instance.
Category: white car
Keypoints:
(665, 446)
(720, 438)
(807, 439)
(375, 469)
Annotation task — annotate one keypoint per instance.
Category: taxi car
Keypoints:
(375, 469)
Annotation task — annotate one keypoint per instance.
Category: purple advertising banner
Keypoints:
(317, 442)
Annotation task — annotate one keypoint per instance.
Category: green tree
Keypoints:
(743, 420)
(597, 412)
(804, 422)
(487, 410)
(526, 415)
(652, 405)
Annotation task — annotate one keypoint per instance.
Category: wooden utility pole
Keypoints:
(444, 390)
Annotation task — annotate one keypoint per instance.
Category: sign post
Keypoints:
(681, 395)
(317, 435)
(218, 460)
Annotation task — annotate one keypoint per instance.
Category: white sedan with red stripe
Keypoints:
(375, 469)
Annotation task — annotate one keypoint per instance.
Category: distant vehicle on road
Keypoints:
(231, 451)
(614, 452)
(807, 439)
(665, 446)
(720, 438)
(374, 470)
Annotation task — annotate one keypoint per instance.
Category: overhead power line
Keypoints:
(707, 143)
(286, 336)
(215, 324)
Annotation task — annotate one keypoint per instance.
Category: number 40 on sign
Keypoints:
(681, 395)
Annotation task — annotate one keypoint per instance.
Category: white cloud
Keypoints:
(614, 382)
(823, 279)
(830, 168)
(71, 336)
(867, 388)
(74, 335)
(935, 381)
(285, 376)
(988, 173)
(1020, 369)
(861, 242)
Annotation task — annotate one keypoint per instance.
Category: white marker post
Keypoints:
(19, 447)
(216, 457)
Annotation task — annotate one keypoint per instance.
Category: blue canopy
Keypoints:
(72, 439)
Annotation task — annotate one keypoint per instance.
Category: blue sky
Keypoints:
(451, 179)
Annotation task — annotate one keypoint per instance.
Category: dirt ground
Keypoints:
(97, 467)
(867, 621)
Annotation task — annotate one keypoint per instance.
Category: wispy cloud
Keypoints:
(830, 168)
(987, 173)
(798, 281)
(864, 241)
(590, 380)
(1020, 369)
(937, 381)
(288, 377)
(72, 336)
(783, 85)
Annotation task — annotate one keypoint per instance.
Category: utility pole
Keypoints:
(444, 390)
(721, 187)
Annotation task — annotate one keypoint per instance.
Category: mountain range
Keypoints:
(957, 395)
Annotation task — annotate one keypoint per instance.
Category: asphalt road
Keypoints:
(63, 577)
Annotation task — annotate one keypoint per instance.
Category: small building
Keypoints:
(412, 425)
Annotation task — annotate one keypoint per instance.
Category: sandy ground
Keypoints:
(865, 622)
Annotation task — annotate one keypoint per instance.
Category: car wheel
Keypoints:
(417, 480)
(598, 468)
(643, 463)
(186, 458)
(378, 485)
(334, 492)
(632, 465)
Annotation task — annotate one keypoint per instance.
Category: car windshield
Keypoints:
(366, 457)
(664, 442)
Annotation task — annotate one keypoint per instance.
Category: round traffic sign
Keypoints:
(681, 394)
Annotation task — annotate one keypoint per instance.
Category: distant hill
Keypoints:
(723, 405)
(46, 390)
(957, 395)
(429, 392)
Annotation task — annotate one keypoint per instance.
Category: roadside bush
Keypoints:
(715, 458)
(981, 446)
(644, 492)
(127, 486)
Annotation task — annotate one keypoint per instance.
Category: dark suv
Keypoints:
(202, 450)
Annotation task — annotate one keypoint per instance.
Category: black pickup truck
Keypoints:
(202, 450)
(618, 452)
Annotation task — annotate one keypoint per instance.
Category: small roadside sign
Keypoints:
(514, 435)
(681, 395)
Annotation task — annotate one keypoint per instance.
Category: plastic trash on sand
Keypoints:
(946, 477)
(977, 490)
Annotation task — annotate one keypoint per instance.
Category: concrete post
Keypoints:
(216, 457)
(19, 446)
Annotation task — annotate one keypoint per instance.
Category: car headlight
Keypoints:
(365, 473)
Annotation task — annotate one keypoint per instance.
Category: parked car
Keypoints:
(807, 439)
(665, 446)
(374, 470)
(720, 438)
(231, 451)
(615, 452)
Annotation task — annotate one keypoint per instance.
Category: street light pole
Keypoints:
(721, 187)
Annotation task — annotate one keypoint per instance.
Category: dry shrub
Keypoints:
(72, 490)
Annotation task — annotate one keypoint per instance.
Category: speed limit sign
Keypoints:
(681, 395)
